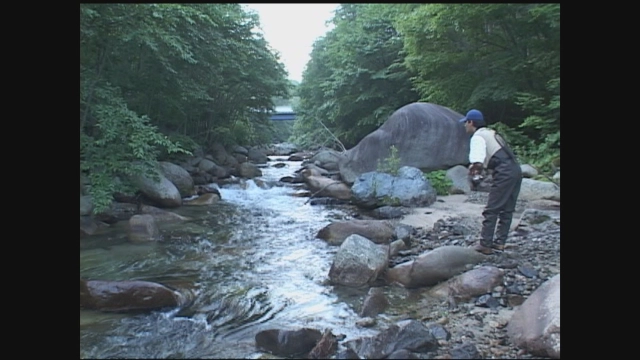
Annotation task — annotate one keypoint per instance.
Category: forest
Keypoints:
(163, 79)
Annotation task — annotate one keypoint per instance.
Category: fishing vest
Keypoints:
(492, 145)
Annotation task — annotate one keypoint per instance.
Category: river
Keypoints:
(251, 262)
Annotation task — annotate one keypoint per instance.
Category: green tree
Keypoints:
(356, 77)
(501, 58)
(199, 71)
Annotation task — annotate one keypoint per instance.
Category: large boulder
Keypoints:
(325, 187)
(427, 136)
(287, 343)
(328, 159)
(409, 188)
(472, 283)
(358, 262)
(179, 177)
(249, 170)
(378, 231)
(535, 325)
(163, 193)
(123, 296)
(257, 156)
(528, 171)
(283, 149)
(434, 266)
(211, 168)
(459, 176)
(537, 190)
(410, 335)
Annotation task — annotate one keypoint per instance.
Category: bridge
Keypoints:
(283, 113)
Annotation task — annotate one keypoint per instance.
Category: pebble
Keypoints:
(533, 256)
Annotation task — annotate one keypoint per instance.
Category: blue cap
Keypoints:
(473, 114)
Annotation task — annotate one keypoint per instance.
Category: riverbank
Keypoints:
(478, 328)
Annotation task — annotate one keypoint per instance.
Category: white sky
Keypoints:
(291, 29)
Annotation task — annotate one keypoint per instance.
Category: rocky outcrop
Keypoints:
(427, 136)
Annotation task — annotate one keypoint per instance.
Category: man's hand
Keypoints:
(475, 169)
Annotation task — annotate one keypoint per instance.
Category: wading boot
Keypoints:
(498, 247)
(486, 250)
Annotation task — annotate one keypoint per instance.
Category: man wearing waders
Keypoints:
(488, 150)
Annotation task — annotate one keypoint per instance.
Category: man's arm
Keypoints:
(477, 154)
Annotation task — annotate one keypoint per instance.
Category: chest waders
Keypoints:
(507, 179)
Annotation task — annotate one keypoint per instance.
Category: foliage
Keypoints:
(355, 78)
(440, 182)
(198, 71)
(390, 164)
(501, 58)
(121, 145)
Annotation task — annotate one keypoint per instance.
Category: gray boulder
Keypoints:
(328, 159)
(459, 176)
(377, 231)
(536, 190)
(358, 262)
(123, 296)
(427, 136)
(528, 171)
(410, 335)
(283, 149)
(249, 170)
(257, 156)
(472, 283)
(434, 266)
(179, 177)
(535, 325)
(288, 343)
(409, 188)
(162, 192)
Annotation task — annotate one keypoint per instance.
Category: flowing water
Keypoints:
(250, 263)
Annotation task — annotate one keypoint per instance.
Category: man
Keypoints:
(488, 150)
